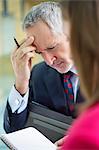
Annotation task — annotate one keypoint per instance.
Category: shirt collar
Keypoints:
(74, 70)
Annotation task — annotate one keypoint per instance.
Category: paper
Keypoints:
(28, 139)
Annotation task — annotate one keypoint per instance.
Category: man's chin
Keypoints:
(60, 70)
(63, 70)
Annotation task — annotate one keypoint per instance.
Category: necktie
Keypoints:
(68, 89)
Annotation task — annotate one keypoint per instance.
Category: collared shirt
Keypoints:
(19, 103)
(75, 81)
(16, 101)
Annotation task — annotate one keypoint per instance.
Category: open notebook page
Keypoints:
(28, 139)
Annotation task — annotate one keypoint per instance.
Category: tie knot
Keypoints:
(68, 75)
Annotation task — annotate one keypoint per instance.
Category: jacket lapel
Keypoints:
(54, 85)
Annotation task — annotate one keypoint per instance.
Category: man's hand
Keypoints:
(21, 62)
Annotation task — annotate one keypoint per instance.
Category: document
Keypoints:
(27, 139)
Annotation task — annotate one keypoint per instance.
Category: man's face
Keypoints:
(54, 48)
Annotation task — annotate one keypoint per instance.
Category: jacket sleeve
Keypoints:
(14, 121)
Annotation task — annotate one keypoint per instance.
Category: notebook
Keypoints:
(27, 139)
(52, 124)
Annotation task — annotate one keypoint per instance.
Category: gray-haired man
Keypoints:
(43, 26)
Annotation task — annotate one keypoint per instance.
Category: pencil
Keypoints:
(16, 42)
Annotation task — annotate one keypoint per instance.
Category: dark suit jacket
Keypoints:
(46, 88)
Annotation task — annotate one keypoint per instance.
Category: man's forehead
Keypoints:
(42, 40)
(44, 43)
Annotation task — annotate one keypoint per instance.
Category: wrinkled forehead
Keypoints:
(43, 36)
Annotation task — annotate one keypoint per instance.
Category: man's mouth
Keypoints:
(57, 64)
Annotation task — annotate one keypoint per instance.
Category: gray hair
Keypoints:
(49, 12)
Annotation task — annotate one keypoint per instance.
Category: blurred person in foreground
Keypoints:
(43, 26)
(83, 17)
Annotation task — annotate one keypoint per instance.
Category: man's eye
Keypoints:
(37, 52)
(52, 47)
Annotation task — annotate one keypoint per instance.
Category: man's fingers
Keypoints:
(25, 47)
(27, 57)
(24, 43)
(27, 42)
(24, 51)
(19, 43)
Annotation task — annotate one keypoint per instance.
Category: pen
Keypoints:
(16, 42)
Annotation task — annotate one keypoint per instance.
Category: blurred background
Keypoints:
(11, 16)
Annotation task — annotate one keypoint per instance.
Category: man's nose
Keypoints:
(49, 58)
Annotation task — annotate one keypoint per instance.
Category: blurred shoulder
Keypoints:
(84, 131)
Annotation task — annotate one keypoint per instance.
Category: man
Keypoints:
(43, 26)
